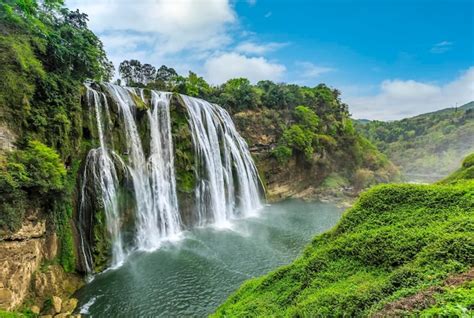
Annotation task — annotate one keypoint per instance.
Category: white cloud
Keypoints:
(268, 14)
(255, 48)
(251, 2)
(309, 70)
(441, 47)
(174, 25)
(223, 67)
(399, 99)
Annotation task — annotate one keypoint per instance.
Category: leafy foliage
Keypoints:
(47, 52)
(282, 153)
(36, 172)
(396, 241)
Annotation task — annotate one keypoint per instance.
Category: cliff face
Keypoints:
(332, 172)
(24, 272)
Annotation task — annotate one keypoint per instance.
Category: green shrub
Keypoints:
(282, 153)
(299, 139)
(307, 117)
(468, 161)
(39, 167)
(62, 212)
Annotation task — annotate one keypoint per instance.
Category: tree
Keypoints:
(193, 85)
(238, 94)
(166, 74)
(307, 117)
(125, 70)
(148, 73)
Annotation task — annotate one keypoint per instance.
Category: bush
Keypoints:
(363, 178)
(282, 153)
(299, 139)
(468, 161)
(39, 167)
(307, 117)
(36, 172)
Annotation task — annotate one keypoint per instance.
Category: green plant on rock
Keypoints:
(62, 213)
(183, 147)
(40, 167)
(300, 139)
(307, 117)
(282, 153)
(35, 171)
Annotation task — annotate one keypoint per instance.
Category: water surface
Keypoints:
(190, 278)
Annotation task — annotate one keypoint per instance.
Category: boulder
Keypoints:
(35, 309)
(57, 303)
(6, 297)
(69, 306)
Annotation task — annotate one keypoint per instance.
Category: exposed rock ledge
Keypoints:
(21, 255)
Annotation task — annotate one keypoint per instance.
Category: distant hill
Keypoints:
(428, 146)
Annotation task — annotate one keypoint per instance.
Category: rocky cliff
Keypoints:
(28, 271)
(338, 169)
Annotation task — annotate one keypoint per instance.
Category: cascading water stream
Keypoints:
(220, 149)
(100, 165)
(227, 180)
(161, 168)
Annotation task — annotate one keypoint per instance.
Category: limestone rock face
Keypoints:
(32, 228)
(18, 262)
(21, 254)
(7, 139)
(54, 281)
(69, 306)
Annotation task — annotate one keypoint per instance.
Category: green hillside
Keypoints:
(398, 243)
(426, 147)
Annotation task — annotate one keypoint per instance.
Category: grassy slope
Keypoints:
(431, 144)
(396, 241)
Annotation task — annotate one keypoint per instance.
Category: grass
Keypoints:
(396, 241)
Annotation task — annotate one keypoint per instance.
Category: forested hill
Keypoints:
(426, 147)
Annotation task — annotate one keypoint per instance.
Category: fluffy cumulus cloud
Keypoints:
(399, 99)
(222, 67)
(175, 24)
(184, 34)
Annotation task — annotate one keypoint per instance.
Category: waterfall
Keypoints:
(161, 167)
(100, 165)
(227, 180)
(220, 149)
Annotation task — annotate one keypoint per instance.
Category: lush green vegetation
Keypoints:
(426, 145)
(396, 241)
(46, 54)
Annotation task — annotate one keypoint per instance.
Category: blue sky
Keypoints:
(391, 59)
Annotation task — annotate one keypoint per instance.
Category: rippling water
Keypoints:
(191, 277)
